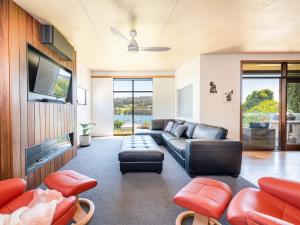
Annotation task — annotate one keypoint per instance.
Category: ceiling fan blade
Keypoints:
(155, 49)
(118, 33)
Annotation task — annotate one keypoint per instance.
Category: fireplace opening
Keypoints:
(38, 155)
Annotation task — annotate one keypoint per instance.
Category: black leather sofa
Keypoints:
(201, 150)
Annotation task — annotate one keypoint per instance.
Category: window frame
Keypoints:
(133, 91)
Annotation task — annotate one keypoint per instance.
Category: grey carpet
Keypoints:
(134, 198)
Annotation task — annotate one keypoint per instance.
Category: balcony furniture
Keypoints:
(202, 149)
(14, 196)
(259, 139)
(140, 154)
(206, 199)
(71, 183)
(259, 136)
(276, 202)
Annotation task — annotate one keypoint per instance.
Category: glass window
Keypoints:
(81, 96)
(122, 85)
(132, 105)
(259, 67)
(260, 113)
(294, 70)
(143, 85)
(293, 113)
(142, 110)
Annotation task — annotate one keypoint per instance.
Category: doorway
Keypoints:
(270, 105)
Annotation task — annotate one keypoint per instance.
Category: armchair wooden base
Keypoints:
(198, 219)
(81, 217)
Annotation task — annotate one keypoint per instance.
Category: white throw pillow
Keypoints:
(169, 126)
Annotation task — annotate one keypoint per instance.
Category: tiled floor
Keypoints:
(257, 164)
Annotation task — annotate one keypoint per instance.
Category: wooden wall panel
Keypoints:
(5, 134)
(37, 124)
(30, 123)
(14, 66)
(23, 80)
(25, 124)
(43, 122)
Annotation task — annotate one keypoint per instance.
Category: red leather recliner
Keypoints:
(13, 197)
(277, 202)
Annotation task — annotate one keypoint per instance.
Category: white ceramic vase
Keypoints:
(85, 140)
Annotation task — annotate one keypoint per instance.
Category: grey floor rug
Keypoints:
(134, 198)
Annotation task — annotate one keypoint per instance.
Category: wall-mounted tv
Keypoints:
(48, 81)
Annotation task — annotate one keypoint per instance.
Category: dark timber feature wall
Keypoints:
(24, 124)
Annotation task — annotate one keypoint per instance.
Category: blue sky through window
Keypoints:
(250, 85)
(139, 85)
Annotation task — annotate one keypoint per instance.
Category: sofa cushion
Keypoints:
(174, 127)
(208, 131)
(169, 126)
(179, 130)
(167, 136)
(178, 145)
(157, 124)
(166, 122)
(190, 129)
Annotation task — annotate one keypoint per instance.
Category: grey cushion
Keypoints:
(174, 127)
(169, 126)
(178, 145)
(210, 132)
(190, 129)
(157, 124)
(166, 122)
(179, 130)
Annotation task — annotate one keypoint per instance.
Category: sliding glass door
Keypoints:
(260, 106)
(292, 120)
(132, 105)
(270, 106)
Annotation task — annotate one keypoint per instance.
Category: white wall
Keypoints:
(102, 106)
(83, 111)
(163, 98)
(226, 68)
(187, 74)
(102, 101)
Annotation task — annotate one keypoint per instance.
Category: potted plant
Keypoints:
(85, 138)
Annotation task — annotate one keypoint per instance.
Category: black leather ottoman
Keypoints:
(140, 154)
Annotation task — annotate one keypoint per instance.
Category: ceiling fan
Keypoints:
(133, 45)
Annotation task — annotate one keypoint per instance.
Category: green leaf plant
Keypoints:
(86, 127)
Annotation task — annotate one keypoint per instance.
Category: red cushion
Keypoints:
(250, 199)
(255, 218)
(20, 201)
(65, 211)
(69, 182)
(286, 190)
(205, 196)
(10, 189)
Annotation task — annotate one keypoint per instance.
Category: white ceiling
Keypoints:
(190, 27)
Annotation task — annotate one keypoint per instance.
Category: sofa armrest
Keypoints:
(212, 157)
(214, 144)
(286, 190)
(10, 189)
(255, 218)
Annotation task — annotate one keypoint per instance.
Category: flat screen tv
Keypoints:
(46, 77)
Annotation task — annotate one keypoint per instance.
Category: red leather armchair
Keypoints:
(13, 196)
(277, 202)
